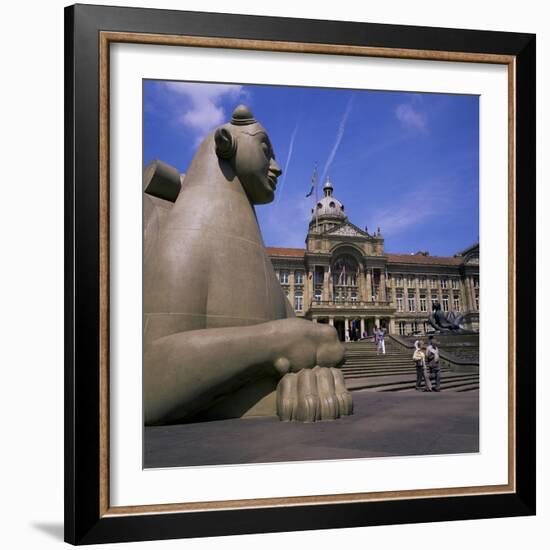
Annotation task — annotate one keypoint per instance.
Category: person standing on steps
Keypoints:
(419, 358)
(380, 344)
(432, 357)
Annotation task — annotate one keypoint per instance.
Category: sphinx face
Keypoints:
(255, 165)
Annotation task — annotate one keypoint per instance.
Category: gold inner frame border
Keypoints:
(106, 38)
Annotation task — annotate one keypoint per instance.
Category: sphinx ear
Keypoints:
(226, 144)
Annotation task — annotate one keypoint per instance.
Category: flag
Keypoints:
(313, 182)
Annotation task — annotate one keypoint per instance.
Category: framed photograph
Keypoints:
(298, 256)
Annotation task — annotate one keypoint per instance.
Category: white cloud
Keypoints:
(431, 201)
(411, 118)
(203, 109)
(339, 136)
(287, 164)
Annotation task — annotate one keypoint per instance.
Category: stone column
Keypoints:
(377, 321)
(417, 293)
(473, 286)
(369, 286)
(362, 285)
(468, 285)
(346, 329)
(291, 287)
(382, 286)
(465, 294)
(326, 295)
(331, 321)
(309, 286)
(362, 326)
(392, 325)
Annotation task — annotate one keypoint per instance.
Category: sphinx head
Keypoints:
(244, 143)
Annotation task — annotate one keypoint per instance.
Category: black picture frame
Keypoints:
(84, 521)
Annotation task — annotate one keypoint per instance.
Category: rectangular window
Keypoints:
(445, 303)
(423, 302)
(433, 282)
(298, 301)
(388, 294)
(400, 303)
(415, 327)
(412, 306)
(284, 277)
(454, 282)
(477, 302)
(422, 282)
(444, 282)
(398, 280)
(456, 303)
(299, 277)
(410, 282)
(476, 282)
(402, 328)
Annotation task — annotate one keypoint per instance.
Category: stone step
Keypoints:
(381, 380)
(446, 375)
(399, 362)
(409, 384)
(394, 371)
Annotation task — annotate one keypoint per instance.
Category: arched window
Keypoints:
(345, 271)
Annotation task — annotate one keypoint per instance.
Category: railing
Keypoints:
(446, 358)
(351, 303)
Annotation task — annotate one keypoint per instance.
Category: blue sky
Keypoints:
(407, 162)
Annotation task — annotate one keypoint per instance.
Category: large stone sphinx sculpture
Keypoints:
(220, 338)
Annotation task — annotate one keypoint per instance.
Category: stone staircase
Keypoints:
(363, 369)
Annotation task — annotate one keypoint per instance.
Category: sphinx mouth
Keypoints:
(272, 178)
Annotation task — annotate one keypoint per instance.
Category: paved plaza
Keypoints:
(383, 424)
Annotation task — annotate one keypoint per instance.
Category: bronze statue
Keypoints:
(220, 338)
(446, 322)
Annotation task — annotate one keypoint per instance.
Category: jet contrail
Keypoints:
(289, 156)
(339, 137)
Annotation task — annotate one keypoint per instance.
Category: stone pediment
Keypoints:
(347, 230)
(470, 255)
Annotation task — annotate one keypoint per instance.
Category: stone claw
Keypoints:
(345, 401)
(313, 394)
(287, 397)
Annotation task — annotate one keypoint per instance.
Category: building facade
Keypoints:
(345, 278)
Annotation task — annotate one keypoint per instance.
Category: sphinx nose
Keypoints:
(275, 168)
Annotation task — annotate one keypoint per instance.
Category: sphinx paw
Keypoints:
(313, 394)
(343, 396)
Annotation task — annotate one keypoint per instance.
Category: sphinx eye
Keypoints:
(266, 149)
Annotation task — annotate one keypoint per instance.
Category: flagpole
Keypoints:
(316, 201)
(314, 187)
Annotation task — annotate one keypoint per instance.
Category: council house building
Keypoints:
(345, 278)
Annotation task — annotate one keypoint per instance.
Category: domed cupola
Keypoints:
(328, 209)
